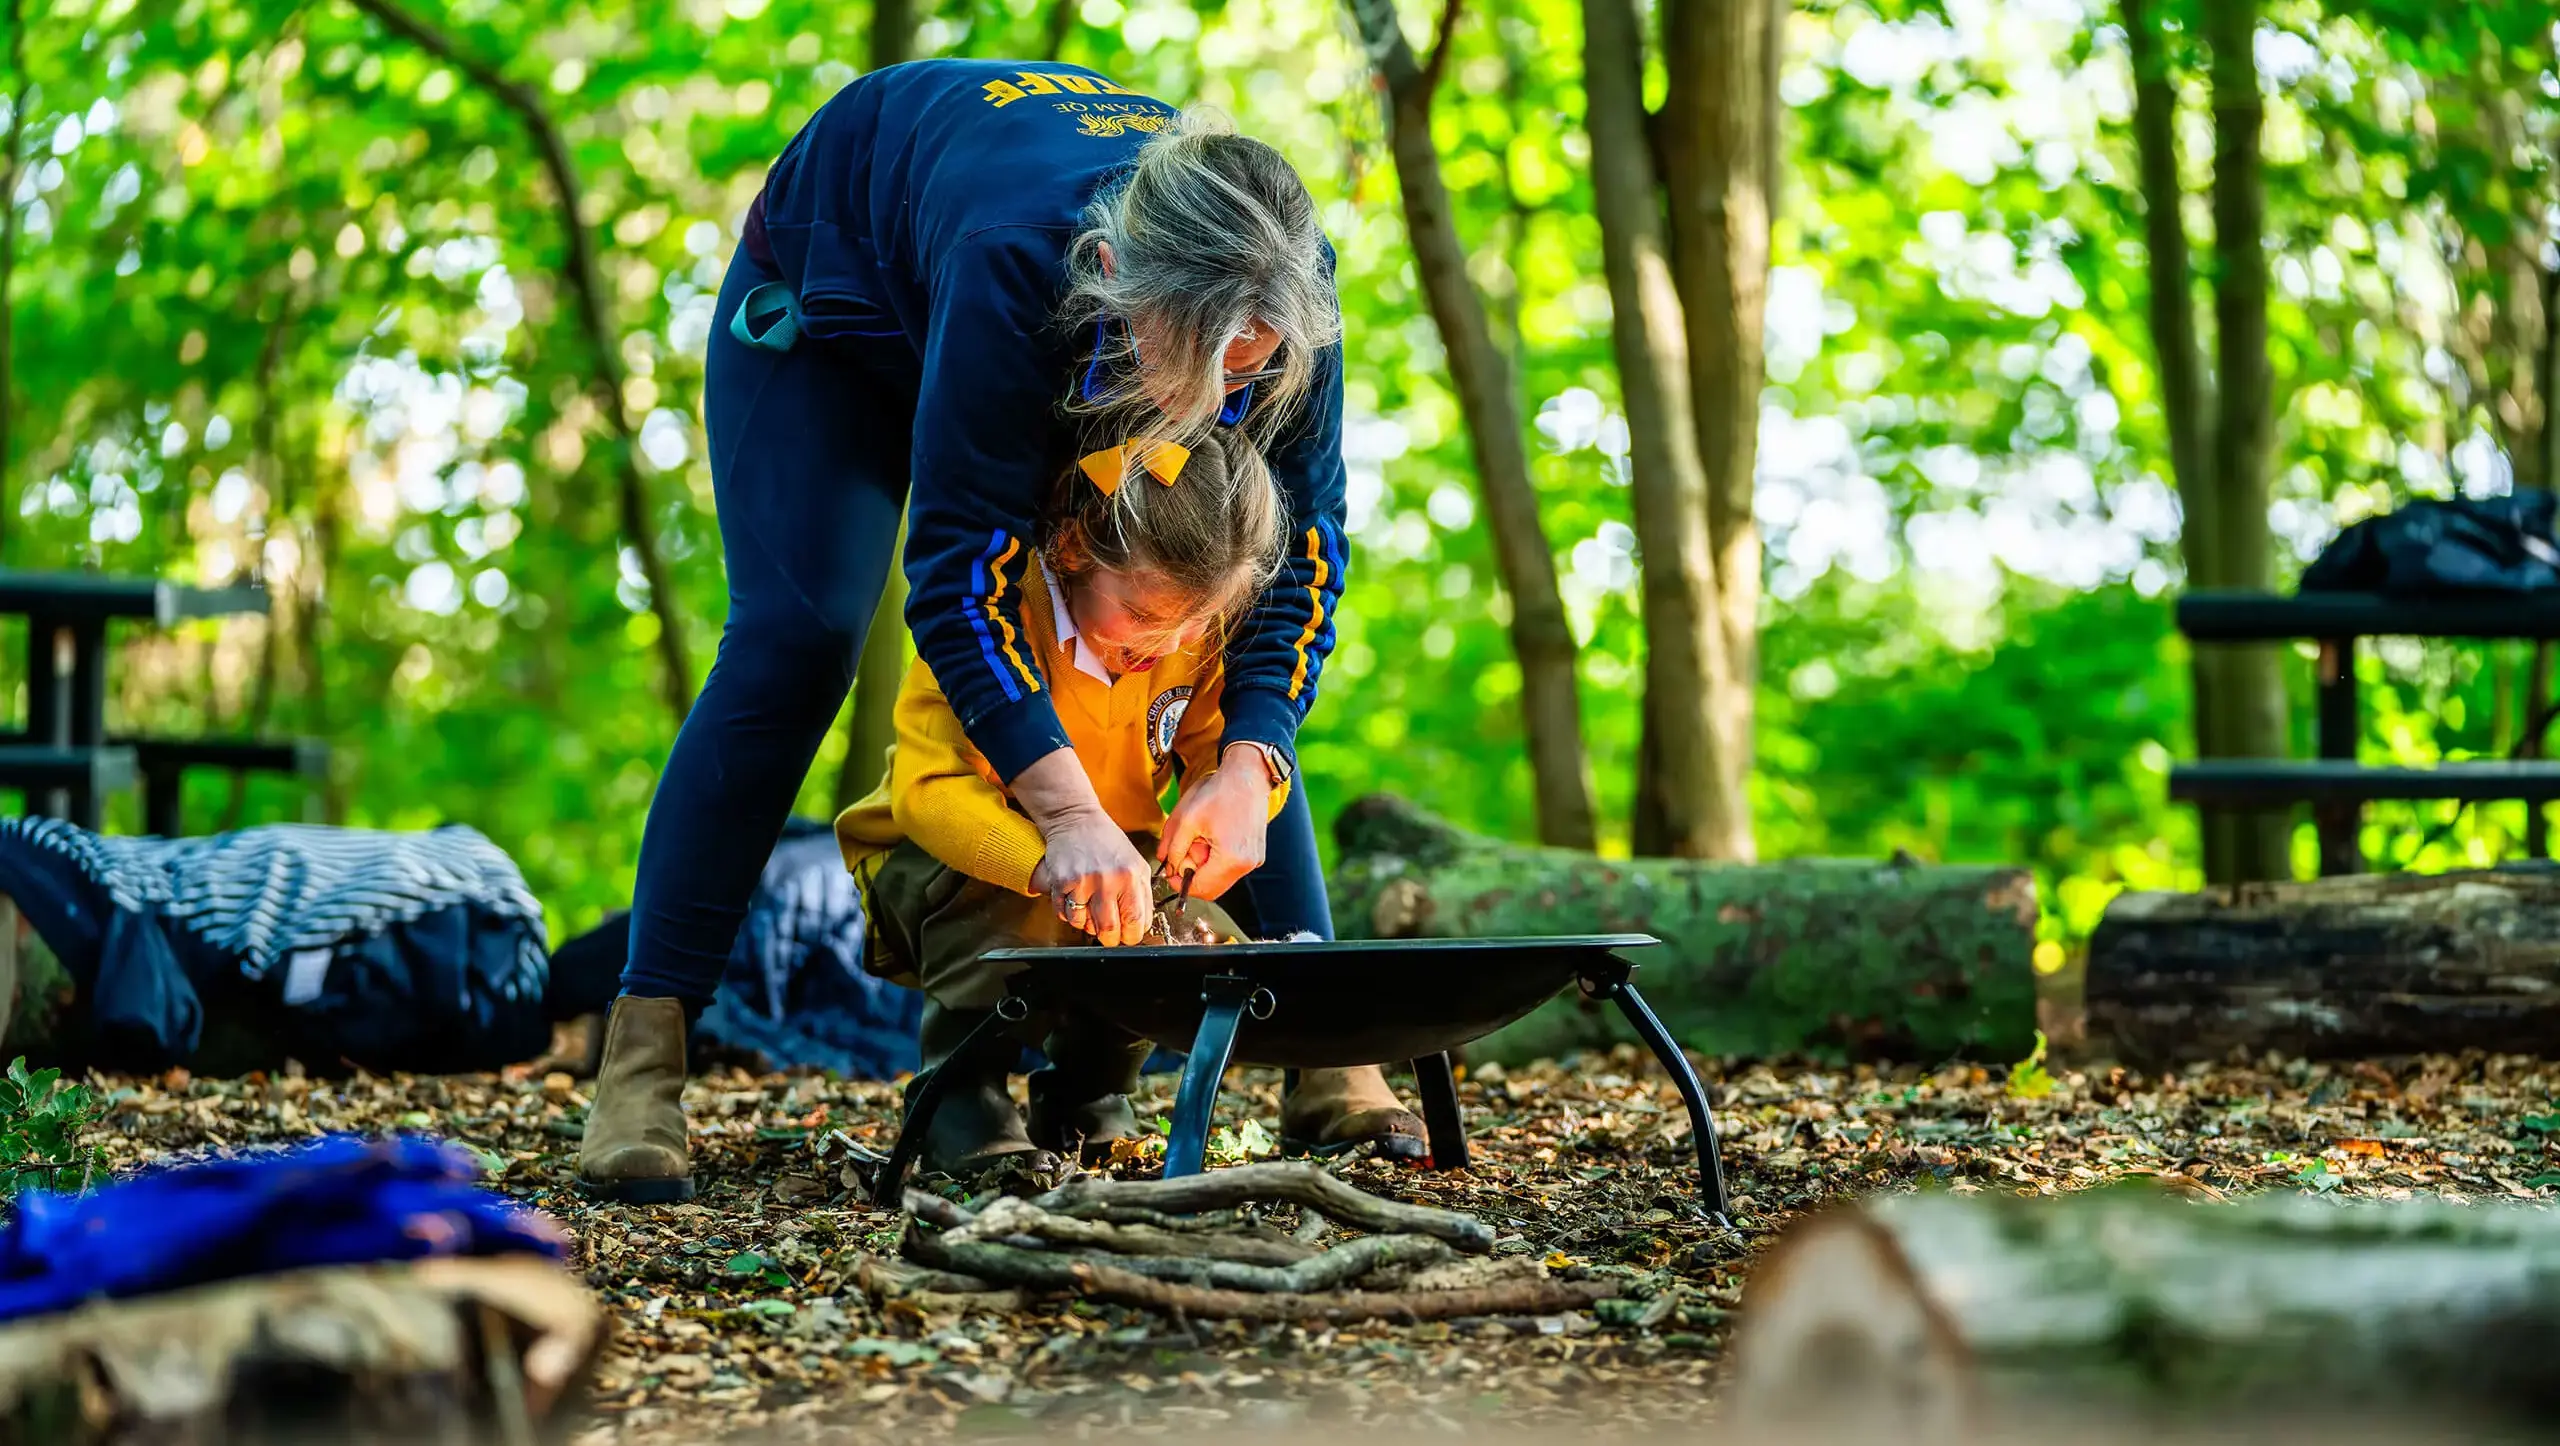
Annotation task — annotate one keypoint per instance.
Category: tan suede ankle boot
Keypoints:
(1335, 1111)
(635, 1145)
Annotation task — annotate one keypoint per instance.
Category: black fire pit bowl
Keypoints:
(1315, 1006)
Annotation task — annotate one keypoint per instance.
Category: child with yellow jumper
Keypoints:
(1144, 550)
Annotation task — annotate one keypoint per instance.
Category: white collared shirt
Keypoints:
(1088, 662)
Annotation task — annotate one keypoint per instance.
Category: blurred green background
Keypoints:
(289, 297)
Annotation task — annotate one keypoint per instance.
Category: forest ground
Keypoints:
(740, 1314)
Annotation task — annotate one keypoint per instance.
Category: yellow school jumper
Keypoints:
(1127, 733)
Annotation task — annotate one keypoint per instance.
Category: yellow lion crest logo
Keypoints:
(1117, 125)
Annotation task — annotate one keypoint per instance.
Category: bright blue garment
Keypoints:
(341, 1200)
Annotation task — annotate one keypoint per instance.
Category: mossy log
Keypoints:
(496, 1349)
(1872, 958)
(1933, 1316)
(2348, 967)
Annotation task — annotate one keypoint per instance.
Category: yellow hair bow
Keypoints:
(1164, 461)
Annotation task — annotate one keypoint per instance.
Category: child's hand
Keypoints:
(1218, 827)
(1096, 879)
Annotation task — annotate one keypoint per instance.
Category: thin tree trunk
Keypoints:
(605, 376)
(315, 613)
(1541, 636)
(1062, 24)
(2533, 707)
(279, 506)
(2184, 404)
(1705, 811)
(2173, 317)
(1517, 211)
(14, 143)
(2549, 371)
(1717, 152)
(2253, 704)
(893, 32)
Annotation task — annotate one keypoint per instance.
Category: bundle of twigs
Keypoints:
(1191, 1247)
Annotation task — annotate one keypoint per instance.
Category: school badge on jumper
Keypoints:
(1164, 720)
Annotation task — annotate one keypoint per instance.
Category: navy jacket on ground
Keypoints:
(393, 951)
(936, 200)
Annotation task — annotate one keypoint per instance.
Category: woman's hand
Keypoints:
(1218, 826)
(1094, 877)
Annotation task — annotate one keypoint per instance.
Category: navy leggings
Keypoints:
(809, 466)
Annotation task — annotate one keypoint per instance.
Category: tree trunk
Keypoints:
(2348, 966)
(498, 1349)
(1938, 1317)
(1718, 150)
(2252, 705)
(1698, 781)
(873, 724)
(1541, 636)
(10, 147)
(587, 287)
(1892, 958)
(893, 32)
(2185, 405)
(1061, 25)
(283, 615)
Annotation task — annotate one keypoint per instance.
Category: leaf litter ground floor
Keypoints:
(745, 1314)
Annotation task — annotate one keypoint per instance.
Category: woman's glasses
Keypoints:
(1234, 379)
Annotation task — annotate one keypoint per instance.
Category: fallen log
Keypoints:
(493, 1349)
(1891, 958)
(1934, 1316)
(2350, 966)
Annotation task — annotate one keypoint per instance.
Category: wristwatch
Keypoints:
(1274, 763)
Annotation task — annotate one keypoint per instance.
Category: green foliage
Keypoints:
(2028, 1078)
(1248, 1141)
(43, 1121)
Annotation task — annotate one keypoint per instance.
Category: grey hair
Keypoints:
(1213, 236)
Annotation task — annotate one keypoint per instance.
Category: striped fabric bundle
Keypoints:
(389, 951)
(264, 894)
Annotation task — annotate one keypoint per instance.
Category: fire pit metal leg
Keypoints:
(924, 1097)
(1223, 999)
(1437, 1083)
(1702, 1124)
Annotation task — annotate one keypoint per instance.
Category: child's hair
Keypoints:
(1220, 520)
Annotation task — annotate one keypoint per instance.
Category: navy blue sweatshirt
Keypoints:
(936, 201)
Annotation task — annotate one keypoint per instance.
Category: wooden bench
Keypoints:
(67, 619)
(82, 773)
(163, 763)
(2335, 785)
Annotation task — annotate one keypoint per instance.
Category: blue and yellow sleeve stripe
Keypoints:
(998, 642)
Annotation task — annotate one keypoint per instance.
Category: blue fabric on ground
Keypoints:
(341, 1200)
(795, 990)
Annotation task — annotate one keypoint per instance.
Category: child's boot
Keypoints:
(1081, 1100)
(977, 1126)
(1334, 1111)
(634, 1147)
